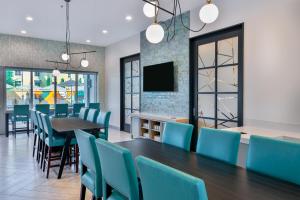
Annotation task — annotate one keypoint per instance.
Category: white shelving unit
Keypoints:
(151, 126)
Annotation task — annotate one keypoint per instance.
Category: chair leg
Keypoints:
(27, 124)
(15, 128)
(44, 157)
(49, 161)
(82, 192)
(76, 158)
(38, 149)
(43, 152)
(34, 145)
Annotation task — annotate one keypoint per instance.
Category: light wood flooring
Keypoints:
(22, 179)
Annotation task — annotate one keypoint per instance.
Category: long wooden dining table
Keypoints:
(66, 127)
(223, 181)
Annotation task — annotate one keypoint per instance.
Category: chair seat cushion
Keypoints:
(88, 180)
(116, 196)
(56, 141)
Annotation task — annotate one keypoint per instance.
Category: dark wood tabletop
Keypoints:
(61, 125)
(223, 181)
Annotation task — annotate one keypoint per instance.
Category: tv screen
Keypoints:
(159, 78)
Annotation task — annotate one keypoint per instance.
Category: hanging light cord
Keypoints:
(68, 32)
(171, 34)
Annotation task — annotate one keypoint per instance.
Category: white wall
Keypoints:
(113, 53)
(271, 64)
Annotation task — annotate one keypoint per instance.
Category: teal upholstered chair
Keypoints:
(51, 140)
(118, 172)
(41, 138)
(219, 144)
(90, 174)
(178, 134)
(274, 157)
(103, 118)
(83, 113)
(92, 115)
(35, 131)
(61, 110)
(94, 106)
(76, 109)
(43, 108)
(20, 114)
(161, 182)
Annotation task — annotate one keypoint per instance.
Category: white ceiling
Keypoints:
(87, 18)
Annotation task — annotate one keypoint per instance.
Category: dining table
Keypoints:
(223, 181)
(66, 127)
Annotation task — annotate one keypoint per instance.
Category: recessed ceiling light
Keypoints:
(105, 31)
(128, 18)
(29, 18)
(88, 41)
(23, 31)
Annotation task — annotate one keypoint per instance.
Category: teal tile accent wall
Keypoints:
(177, 50)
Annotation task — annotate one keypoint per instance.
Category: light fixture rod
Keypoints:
(57, 62)
(83, 52)
(157, 6)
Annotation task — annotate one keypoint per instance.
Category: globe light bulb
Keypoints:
(65, 56)
(56, 72)
(84, 62)
(149, 10)
(155, 33)
(209, 13)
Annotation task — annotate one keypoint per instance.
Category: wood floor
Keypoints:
(22, 179)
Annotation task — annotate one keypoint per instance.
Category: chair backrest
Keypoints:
(33, 118)
(274, 157)
(76, 108)
(178, 134)
(94, 105)
(47, 127)
(43, 108)
(40, 123)
(61, 110)
(118, 169)
(92, 115)
(83, 113)
(162, 182)
(89, 157)
(21, 110)
(103, 118)
(219, 144)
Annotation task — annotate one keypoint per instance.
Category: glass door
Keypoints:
(217, 80)
(130, 89)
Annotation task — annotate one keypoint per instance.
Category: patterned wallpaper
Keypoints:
(177, 50)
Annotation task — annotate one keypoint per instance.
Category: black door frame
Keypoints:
(236, 30)
(123, 60)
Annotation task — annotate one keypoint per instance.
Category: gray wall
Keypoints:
(177, 50)
(16, 51)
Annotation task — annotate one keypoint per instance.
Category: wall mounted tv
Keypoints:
(159, 78)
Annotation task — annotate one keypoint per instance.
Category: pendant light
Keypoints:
(84, 62)
(65, 57)
(56, 72)
(150, 10)
(155, 32)
(209, 13)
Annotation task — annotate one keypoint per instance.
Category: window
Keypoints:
(18, 87)
(40, 87)
(43, 88)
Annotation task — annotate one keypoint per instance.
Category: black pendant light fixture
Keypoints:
(67, 55)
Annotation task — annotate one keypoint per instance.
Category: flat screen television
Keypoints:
(159, 78)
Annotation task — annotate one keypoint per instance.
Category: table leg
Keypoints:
(64, 155)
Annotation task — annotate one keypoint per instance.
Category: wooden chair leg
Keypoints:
(49, 161)
(82, 192)
(44, 157)
(15, 128)
(76, 158)
(34, 145)
(27, 124)
(43, 152)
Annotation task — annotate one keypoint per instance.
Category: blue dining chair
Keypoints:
(43, 108)
(83, 113)
(20, 114)
(41, 138)
(76, 109)
(35, 131)
(61, 110)
(178, 134)
(92, 115)
(118, 172)
(90, 174)
(94, 106)
(161, 182)
(52, 140)
(276, 158)
(103, 119)
(219, 144)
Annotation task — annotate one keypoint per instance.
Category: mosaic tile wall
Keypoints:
(177, 50)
